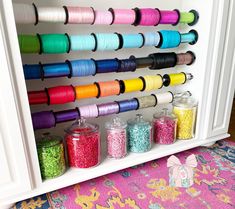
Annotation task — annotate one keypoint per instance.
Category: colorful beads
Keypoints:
(186, 122)
(139, 135)
(51, 157)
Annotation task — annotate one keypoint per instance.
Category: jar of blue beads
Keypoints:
(139, 133)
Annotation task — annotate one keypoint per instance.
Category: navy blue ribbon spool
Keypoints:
(128, 105)
(82, 68)
(127, 65)
(66, 115)
(32, 71)
(107, 66)
(56, 70)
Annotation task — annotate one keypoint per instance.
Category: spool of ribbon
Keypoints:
(123, 16)
(133, 40)
(106, 41)
(55, 43)
(174, 79)
(32, 72)
(24, 13)
(108, 108)
(82, 42)
(191, 17)
(152, 82)
(186, 58)
(151, 39)
(55, 70)
(37, 97)
(45, 119)
(163, 60)
(132, 85)
(88, 111)
(107, 66)
(61, 94)
(80, 15)
(143, 62)
(128, 105)
(147, 101)
(191, 37)
(127, 65)
(108, 88)
(169, 39)
(29, 44)
(147, 17)
(66, 115)
(103, 18)
(51, 14)
(86, 91)
(164, 98)
(82, 68)
(169, 17)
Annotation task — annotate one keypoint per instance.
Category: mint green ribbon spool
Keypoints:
(54, 43)
(29, 44)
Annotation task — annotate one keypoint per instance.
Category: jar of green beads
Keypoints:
(51, 156)
(185, 109)
(139, 133)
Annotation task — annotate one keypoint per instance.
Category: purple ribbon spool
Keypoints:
(44, 119)
(66, 115)
(108, 108)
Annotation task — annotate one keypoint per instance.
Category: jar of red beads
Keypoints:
(164, 127)
(83, 144)
(116, 138)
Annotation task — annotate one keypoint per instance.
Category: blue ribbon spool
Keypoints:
(128, 105)
(82, 42)
(32, 71)
(133, 40)
(151, 39)
(169, 39)
(127, 65)
(107, 66)
(106, 41)
(56, 70)
(82, 68)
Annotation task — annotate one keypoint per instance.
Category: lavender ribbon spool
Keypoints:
(66, 115)
(108, 108)
(128, 105)
(45, 119)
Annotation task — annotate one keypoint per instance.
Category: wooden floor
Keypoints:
(232, 122)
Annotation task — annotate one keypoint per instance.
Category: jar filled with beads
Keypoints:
(164, 127)
(185, 109)
(51, 156)
(139, 133)
(116, 138)
(83, 144)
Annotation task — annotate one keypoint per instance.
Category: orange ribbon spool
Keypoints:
(108, 88)
(86, 91)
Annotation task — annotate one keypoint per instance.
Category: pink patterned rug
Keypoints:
(146, 186)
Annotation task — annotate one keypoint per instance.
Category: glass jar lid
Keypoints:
(138, 120)
(48, 140)
(185, 101)
(81, 127)
(116, 123)
(165, 115)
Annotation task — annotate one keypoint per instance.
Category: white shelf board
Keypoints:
(73, 175)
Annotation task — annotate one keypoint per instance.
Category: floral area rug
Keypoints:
(146, 186)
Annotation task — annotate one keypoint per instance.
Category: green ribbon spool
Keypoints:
(187, 17)
(54, 43)
(29, 44)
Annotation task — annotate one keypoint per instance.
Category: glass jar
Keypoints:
(51, 156)
(116, 138)
(83, 144)
(164, 127)
(139, 133)
(185, 109)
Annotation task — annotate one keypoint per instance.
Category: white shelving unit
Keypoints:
(213, 87)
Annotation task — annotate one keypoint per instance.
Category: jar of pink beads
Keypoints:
(83, 144)
(116, 138)
(164, 127)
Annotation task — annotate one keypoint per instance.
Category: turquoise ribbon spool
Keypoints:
(133, 40)
(82, 42)
(169, 39)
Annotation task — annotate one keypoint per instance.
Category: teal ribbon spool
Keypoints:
(29, 44)
(106, 41)
(133, 40)
(82, 42)
(169, 39)
(55, 43)
(191, 37)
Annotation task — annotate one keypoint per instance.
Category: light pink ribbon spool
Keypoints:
(103, 18)
(80, 15)
(169, 17)
(149, 17)
(123, 16)
(89, 111)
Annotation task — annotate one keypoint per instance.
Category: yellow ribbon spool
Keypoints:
(132, 85)
(176, 79)
(153, 82)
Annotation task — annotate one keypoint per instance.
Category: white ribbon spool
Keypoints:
(51, 14)
(164, 98)
(24, 13)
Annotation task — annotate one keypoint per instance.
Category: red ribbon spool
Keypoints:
(61, 94)
(37, 97)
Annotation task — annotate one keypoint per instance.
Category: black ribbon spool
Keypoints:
(143, 62)
(127, 65)
(163, 60)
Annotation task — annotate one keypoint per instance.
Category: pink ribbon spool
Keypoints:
(149, 17)
(89, 111)
(80, 15)
(103, 18)
(123, 16)
(169, 17)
